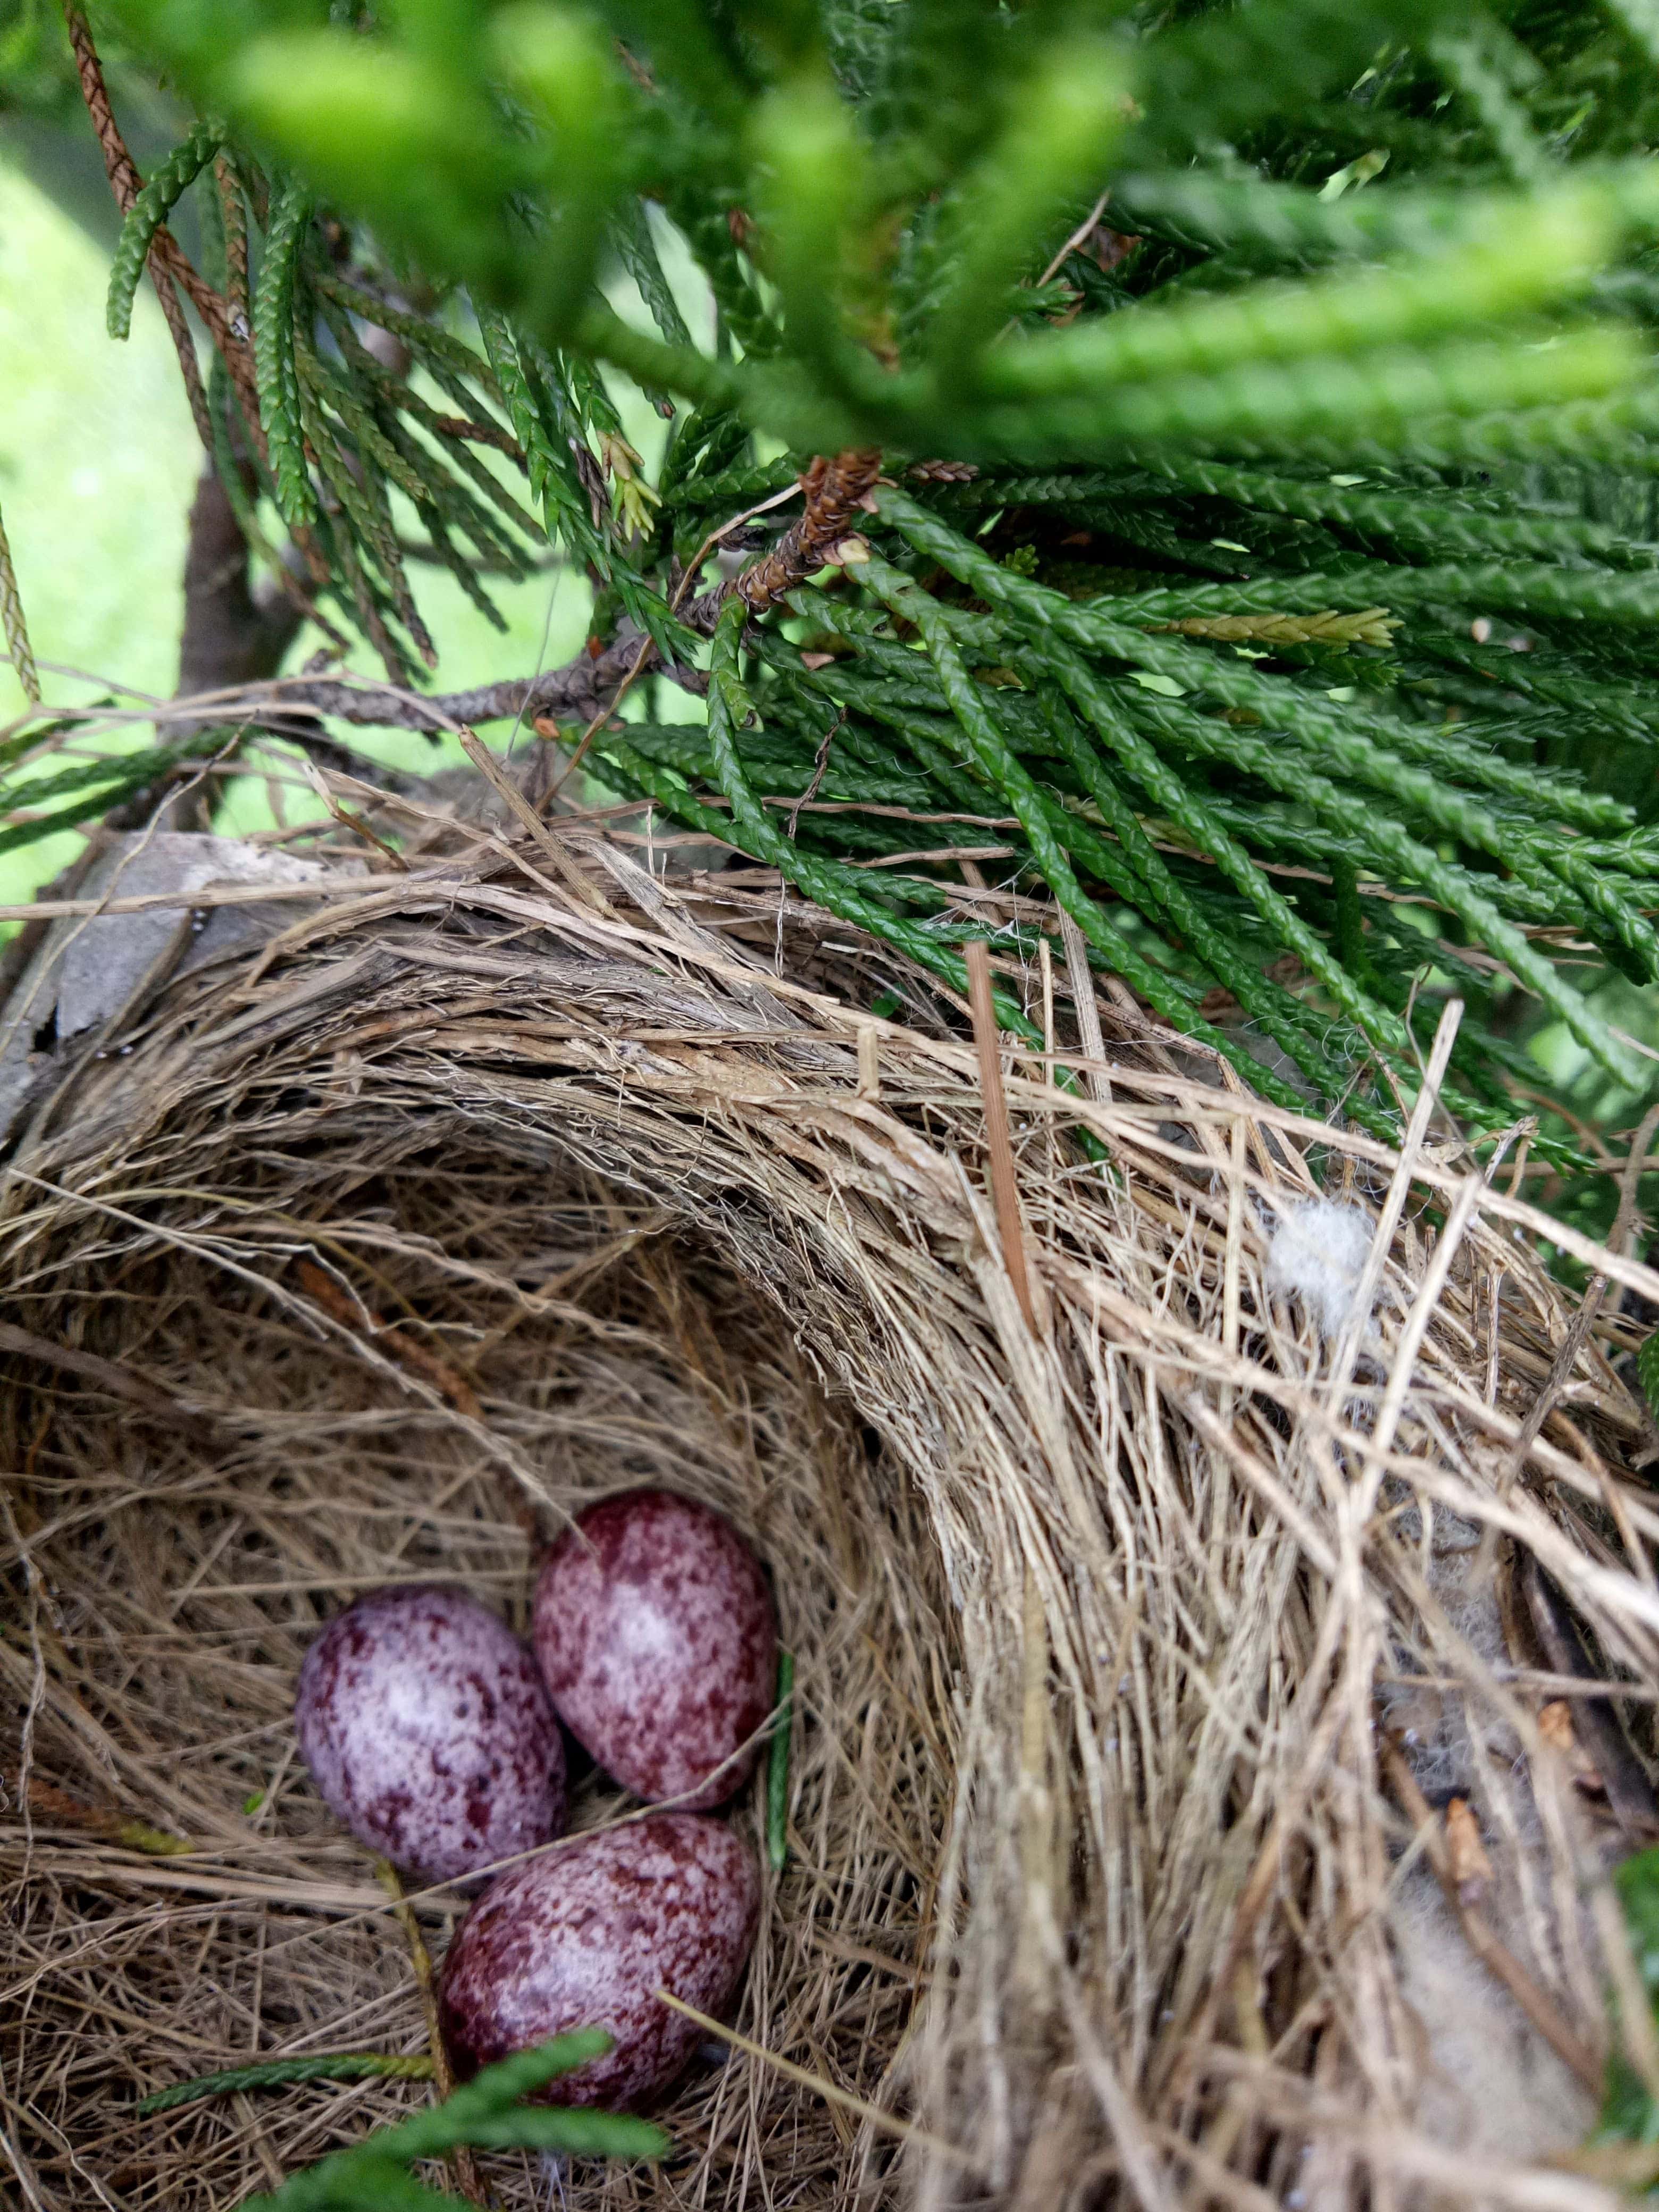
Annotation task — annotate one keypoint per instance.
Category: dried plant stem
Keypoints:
(419, 1359)
(888, 2123)
(57, 1805)
(106, 1375)
(1005, 1182)
(1493, 1953)
(443, 2077)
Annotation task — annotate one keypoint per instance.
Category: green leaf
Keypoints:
(487, 2114)
(1647, 1369)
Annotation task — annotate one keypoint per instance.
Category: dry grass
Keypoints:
(1095, 1874)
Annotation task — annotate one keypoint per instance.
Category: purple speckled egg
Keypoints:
(428, 1731)
(586, 1935)
(654, 1629)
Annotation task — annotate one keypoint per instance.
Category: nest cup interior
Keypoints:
(1126, 1658)
(537, 1346)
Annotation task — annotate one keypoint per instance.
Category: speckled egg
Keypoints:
(654, 1629)
(584, 1936)
(428, 1731)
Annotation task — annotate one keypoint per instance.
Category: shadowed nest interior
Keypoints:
(1140, 1641)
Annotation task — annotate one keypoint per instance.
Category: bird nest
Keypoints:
(1191, 1794)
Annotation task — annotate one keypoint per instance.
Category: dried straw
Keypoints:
(1096, 1884)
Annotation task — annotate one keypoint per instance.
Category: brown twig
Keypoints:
(190, 369)
(115, 1380)
(820, 770)
(355, 823)
(467, 428)
(1079, 237)
(67, 1812)
(124, 180)
(1005, 1186)
(362, 1320)
(836, 491)
(1483, 1940)
(126, 184)
(591, 684)
(701, 616)
(521, 808)
(168, 264)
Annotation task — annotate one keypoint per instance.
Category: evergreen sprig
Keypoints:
(486, 2114)
(1269, 542)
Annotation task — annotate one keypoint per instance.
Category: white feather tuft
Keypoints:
(1317, 1254)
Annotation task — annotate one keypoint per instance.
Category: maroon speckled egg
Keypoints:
(427, 1730)
(654, 1629)
(584, 1936)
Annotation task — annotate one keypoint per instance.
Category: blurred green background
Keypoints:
(98, 464)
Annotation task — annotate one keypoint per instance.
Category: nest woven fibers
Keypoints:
(1195, 1792)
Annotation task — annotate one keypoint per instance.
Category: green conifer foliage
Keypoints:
(1264, 536)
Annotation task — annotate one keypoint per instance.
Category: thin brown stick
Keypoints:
(701, 616)
(1079, 237)
(184, 345)
(466, 429)
(508, 792)
(1005, 1182)
(835, 491)
(167, 263)
(363, 1320)
(114, 1379)
(1493, 1953)
(820, 770)
(59, 1807)
(118, 164)
(126, 184)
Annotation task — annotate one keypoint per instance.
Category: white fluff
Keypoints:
(1316, 1254)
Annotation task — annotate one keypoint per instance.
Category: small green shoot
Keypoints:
(276, 2073)
(1647, 1370)
(777, 1769)
(486, 2115)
